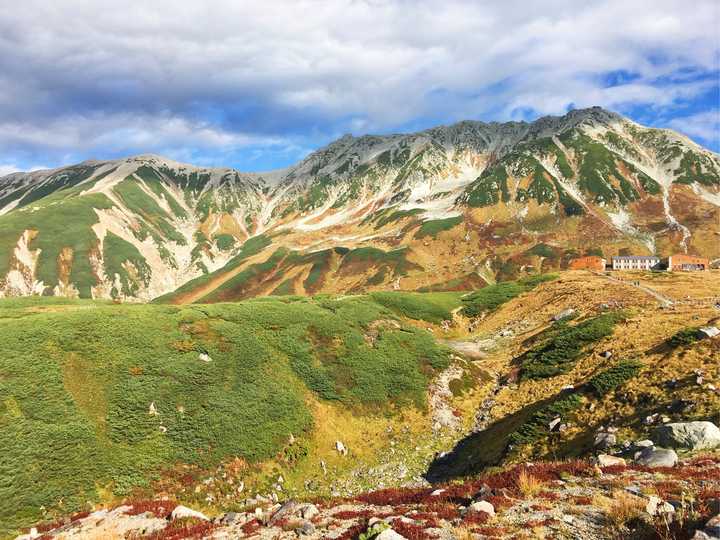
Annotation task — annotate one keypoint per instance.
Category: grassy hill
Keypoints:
(98, 399)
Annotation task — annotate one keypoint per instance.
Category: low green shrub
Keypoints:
(493, 296)
(559, 353)
(606, 381)
(537, 426)
(684, 337)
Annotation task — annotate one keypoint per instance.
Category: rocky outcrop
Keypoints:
(688, 435)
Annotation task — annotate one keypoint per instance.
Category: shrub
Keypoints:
(560, 352)
(493, 296)
(537, 426)
(608, 380)
(684, 337)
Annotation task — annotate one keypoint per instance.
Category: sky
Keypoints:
(258, 85)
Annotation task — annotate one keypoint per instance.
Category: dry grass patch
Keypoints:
(529, 485)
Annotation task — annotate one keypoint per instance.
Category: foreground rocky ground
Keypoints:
(572, 499)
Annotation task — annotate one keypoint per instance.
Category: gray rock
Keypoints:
(657, 457)
(306, 529)
(691, 435)
(604, 460)
(708, 332)
(604, 440)
(185, 512)
(658, 507)
(288, 509)
(564, 314)
(482, 506)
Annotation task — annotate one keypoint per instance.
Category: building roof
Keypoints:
(636, 258)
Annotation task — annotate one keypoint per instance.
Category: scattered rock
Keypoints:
(340, 447)
(605, 460)
(604, 440)
(606, 354)
(305, 529)
(185, 512)
(554, 423)
(708, 332)
(309, 511)
(152, 411)
(657, 457)
(389, 534)
(482, 506)
(205, 357)
(564, 314)
(658, 507)
(690, 435)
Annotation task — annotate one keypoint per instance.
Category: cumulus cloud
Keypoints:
(705, 125)
(225, 79)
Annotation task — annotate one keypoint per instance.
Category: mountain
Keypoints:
(447, 208)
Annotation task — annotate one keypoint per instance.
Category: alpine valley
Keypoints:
(450, 208)
(384, 341)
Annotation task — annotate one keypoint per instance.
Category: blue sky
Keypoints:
(257, 85)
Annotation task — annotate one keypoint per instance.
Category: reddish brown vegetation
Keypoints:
(181, 529)
(410, 530)
(160, 509)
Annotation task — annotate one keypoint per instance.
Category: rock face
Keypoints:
(657, 457)
(605, 460)
(690, 435)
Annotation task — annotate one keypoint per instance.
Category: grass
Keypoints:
(559, 353)
(436, 226)
(492, 297)
(430, 307)
(77, 379)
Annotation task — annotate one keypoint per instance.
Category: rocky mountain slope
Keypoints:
(453, 206)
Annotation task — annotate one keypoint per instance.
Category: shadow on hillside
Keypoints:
(482, 449)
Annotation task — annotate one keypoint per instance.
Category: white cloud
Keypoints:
(8, 169)
(704, 125)
(222, 73)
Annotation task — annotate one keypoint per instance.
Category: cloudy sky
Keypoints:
(257, 85)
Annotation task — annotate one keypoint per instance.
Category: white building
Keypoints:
(636, 262)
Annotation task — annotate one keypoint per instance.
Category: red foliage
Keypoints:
(353, 532)
(476, 518)
(499, 502)
(410, 530)
(395, 496)
(251, 527)
(353, 514)
(491, 532)
(582, 501)
(709, 494)
(540, 523)
(184, 528)
(443, 510)
(160, 509)
(49, 526)
(614, 469)
(549, 496)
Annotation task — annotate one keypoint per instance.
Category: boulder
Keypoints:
(482, 506)
(605, 440)
(564, 314)
(605, 460)
(309, 511)
(690, 435)
(658, 507)
(181, 512)
(708, 332)
(657, 457)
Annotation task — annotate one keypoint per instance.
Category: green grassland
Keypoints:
(77, 380)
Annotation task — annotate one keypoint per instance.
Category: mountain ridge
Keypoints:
(590, 175)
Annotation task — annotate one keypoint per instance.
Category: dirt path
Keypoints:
(664, 300)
